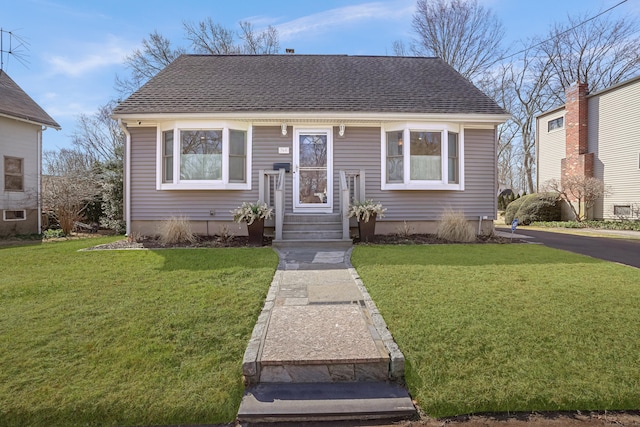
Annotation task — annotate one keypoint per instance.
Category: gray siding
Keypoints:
(551, 148)
(359, 148)
(614, 126)
(147, 203)
(266, 140)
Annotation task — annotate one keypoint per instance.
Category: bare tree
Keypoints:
(579, 192)
(69, 186)
(209, 37)
(155, 54)
(601, 51)
(526, 90)
(99, 136)
(265, 42)
(400, 48)
(463, 33)
(206, 37)
(102, 141)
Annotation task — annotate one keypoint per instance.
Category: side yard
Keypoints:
(508, 328)
(126, 337)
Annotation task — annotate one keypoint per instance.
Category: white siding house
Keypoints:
(612, 126)
(22, 122)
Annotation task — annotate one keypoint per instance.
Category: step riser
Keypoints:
(325, 226)
(311, 235)
(299, 218)
(274, 403)
(327, 373)
(333, 244)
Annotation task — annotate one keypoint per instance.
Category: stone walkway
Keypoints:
(319, 326)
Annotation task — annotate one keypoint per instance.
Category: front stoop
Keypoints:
(318, 229)
(325, 402)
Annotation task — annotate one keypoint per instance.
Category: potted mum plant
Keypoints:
(366, 213)
(254, 215)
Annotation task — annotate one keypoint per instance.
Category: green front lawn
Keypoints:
(126, 337)
(505, 328)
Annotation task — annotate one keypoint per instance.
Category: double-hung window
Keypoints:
(13, 174)
(422, 158)
(205, 156)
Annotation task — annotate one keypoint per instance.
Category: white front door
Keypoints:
(312, 170)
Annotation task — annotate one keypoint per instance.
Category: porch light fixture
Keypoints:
(341, 131)
(283, 128)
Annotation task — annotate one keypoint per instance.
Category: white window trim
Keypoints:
(559, 128)
(409, 184)
(221, 184)
(4, 174)
(24, 215)
(320, 130)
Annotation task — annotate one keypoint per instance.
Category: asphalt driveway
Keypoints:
(624, 251)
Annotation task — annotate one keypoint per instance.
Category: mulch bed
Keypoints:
(242, 241)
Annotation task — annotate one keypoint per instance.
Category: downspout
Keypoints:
(126, 174)
(39, 191)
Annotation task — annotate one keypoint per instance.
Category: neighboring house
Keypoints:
(595, 135)
(210, 132)
(21, 124)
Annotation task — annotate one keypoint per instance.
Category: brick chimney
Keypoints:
(578, 160)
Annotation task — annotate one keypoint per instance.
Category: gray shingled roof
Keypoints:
(14, 102)
(308, 83)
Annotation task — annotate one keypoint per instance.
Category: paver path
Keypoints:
(321, 347)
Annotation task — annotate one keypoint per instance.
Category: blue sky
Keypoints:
(76, 47)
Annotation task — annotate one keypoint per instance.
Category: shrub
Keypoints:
(534, 207)
(454, 227)
(176, 230)
(53, 233)
(512, 209)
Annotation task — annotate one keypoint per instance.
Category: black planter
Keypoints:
(367, 229)
(256, 231)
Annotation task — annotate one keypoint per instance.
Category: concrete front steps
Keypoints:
(277, 403)
(317, 229)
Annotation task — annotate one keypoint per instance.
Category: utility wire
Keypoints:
(564, 32)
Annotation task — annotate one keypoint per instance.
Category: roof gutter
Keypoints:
(31, 122)
(126, 181)
(329, 116)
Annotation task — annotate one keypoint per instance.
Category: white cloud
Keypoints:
(343, 16)
(90, 56)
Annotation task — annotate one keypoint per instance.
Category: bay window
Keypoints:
(422, 157)
(203, 157)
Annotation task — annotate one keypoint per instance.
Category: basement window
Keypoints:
(622, 210)
(19, 215)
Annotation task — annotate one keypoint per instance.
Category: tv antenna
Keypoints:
(12, 45)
